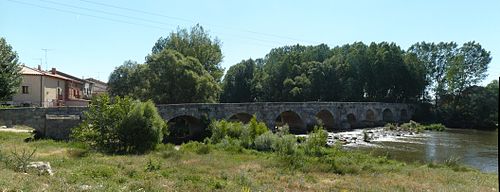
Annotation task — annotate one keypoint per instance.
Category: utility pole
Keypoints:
(45, 49)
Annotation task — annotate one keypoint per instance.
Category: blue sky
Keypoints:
(90, 37)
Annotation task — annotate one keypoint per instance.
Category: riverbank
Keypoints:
(199, 167)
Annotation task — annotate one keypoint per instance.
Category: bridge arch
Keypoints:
(184, 128)
(403, 115)
(351, 119)
(325, 117)
(295, 123)
(240, 117)
(387, 115)
(370, 115)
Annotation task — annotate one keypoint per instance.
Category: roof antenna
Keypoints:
(45, 49)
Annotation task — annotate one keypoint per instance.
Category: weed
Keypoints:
(152, 166)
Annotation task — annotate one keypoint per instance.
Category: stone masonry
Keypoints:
(57, 122)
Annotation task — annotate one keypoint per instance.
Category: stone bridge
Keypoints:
(299, 116)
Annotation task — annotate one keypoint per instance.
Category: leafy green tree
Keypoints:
(468, 67)
(476, 108)
(102, 121)
(129, 79)
(347, 68)
(286, 70)
(324, 82)
(10, 76)
(237, 84)
(142, 129)
(436, 59)
(195, 43)
(174, 78)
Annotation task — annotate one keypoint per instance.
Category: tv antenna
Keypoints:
(45, 49)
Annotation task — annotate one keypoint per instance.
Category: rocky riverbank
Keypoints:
(365, 136)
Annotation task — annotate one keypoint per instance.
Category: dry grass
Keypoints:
(77, 169)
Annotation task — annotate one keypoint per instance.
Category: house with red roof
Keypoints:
(49, 89)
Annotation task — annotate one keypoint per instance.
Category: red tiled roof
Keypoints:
(30, 71)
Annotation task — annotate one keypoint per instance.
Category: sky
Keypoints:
(89, 38)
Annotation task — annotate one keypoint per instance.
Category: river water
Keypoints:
(478, 149)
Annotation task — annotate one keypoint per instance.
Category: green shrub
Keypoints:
(435, 127)
(142, 129)
(412, 126)
(18, 161)
(246, 137)
(230, 144)
(245, 134)
(120, 125)
(221, 129)
(235, 129)
(167, 151)
(152, 166)
(316, 142)
(390, 126)
(285, 145)
(257, 128)
(196, 147)
(218, 129)
(265, 141)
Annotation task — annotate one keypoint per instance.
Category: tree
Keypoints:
(10, 76)
(129, 79)
(174, 78)
(476, 108)
(287, 69)
(195, 43)
(468, 67)
(436, 59)
(237, 84)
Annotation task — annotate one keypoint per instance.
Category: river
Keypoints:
(474, 148)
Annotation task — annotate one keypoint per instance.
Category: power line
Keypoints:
(127, 22)
(107, 13)
(187, 20)
(79, 13)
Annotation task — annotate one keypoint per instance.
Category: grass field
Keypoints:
(200, 167)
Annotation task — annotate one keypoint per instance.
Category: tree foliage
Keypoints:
(177, 79)
(129, 79)
(182, 68)
(10, 76)
(237, 84)
(121, 125)
(195, 43)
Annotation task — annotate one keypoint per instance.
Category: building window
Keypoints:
(25, 89)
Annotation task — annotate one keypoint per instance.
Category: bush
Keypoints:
(121, 125)
(18, 161)
(221, 129)
(230, 144)
(285, 145)
(412, 126)
(257, 128)
(316, 142)
(265, 141)
(197, 147)
(246, 134)
(168, 151)
(142, 129)
(435, 127)
(390, 126)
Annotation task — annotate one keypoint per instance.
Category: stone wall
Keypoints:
(53, 123)
(57, 122)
